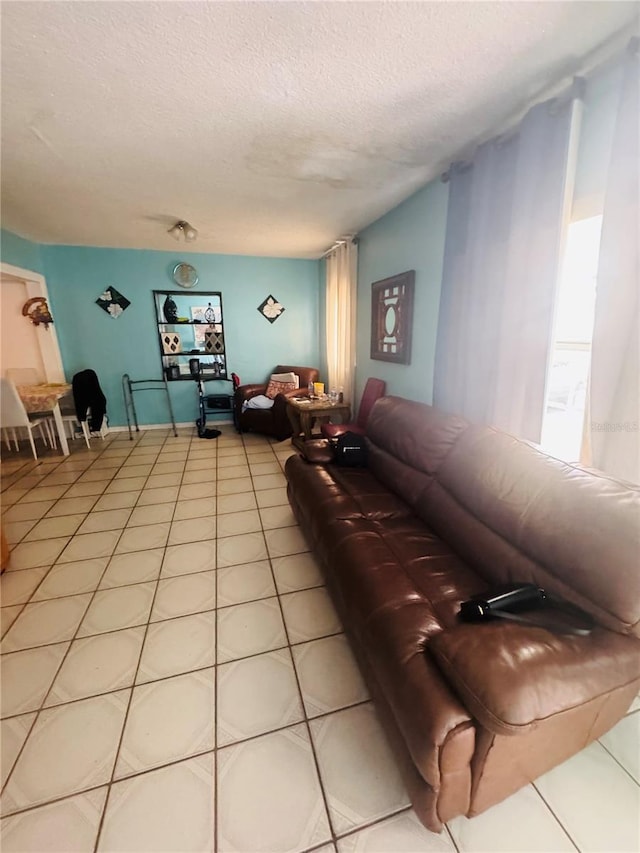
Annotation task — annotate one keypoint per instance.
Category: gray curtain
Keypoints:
(615, 371)
(508, 210)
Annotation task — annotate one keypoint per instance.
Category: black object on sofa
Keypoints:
(447, 510)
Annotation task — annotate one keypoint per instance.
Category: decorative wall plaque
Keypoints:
(113, 302)
(392, 318)
(214, 342)
(171, 343)
(271, 309)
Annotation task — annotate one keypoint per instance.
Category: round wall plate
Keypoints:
(185, 275)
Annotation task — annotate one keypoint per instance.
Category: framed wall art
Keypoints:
(113, 302)
(392, 318)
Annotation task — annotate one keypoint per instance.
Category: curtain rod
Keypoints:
(575, 91)
(592, 64)
(340, 242)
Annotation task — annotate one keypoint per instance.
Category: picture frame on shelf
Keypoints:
(197, 316)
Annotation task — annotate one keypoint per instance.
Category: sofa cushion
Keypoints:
(516, 514)
(407, 444)
(512, 677)
(332, 493)
(415, 434)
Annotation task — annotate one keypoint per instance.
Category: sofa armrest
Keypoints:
(245, 392)
(512, 677)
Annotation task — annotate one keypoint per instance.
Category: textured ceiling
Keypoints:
(273, 127)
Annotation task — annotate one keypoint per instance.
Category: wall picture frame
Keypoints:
(392, 318)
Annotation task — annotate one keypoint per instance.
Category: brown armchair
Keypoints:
(274, 421)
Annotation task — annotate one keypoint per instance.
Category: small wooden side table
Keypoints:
(303, 412)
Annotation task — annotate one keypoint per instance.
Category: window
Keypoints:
(571, 348)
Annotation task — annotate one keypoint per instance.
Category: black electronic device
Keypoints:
(511, 601)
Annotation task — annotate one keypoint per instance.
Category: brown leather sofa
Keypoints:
(446, 510)
(275, 421)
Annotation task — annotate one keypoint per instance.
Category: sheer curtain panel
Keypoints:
(341, 271)
(615, 361)
(508, 211)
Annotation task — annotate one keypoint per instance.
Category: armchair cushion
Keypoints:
(286, 377)
(274, 388)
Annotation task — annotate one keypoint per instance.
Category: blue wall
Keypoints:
(22, 253)
(409, 237)
(89, 337)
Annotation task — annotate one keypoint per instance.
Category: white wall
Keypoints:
(20, 346)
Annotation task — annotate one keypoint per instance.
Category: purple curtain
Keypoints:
(614, 421)
(506, 222)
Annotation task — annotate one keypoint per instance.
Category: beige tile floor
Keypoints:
(175, 678)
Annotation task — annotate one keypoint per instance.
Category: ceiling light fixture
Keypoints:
(182, 228)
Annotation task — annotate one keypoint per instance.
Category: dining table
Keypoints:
(46, 397)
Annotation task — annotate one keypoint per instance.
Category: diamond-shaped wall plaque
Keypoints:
(171, 343)
(113, 302)
(214, 342)
(271, 309)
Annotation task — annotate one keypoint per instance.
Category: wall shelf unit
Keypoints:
(190, 326)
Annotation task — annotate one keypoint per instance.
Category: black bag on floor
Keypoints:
(350, 450)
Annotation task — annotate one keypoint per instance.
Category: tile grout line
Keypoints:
(217, 653)
(134, 685)
(617, 761)
(305, 718)
(184, 672)
(81, 472)
(142, 583)
(555, 816)
(174, 761)
(118, 749)
(57, 672)
(97, 498)
(64, 657)
(451, 838)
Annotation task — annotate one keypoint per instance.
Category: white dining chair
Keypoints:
(76, 426)
(13, 415)
(32, 376)
(69, 418)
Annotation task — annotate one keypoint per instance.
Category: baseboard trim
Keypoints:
(183, 425)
